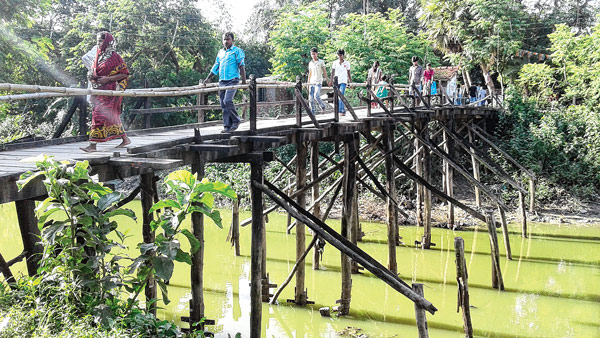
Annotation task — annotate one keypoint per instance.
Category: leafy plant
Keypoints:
(190, 196)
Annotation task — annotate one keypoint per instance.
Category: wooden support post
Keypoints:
(497, 281)
(349, 182)
(301, 150)
(298, 102)
(147, 194)
(355, 224)
(336, 102)
(388, 139)
(418, 164)
(5, 271)
(420, 312)
(449, 175)
(531, 194)
(462, 279)
(201, 99)
(505, 233)
(235, 225)
(147, 105)
(197, 269)
(475, 171)
(314, 174)
(256, 269)
(523, 213)
(30, 234)
(83, 116)
(289, 216)
(426, 240)
(253, 105)
(369, 86)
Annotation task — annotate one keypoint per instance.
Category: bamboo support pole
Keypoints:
(30, 234)
(392, 222)
(314, 174)
(420, 315)
(346, 224)
(301, 150)
(5, 271)
(147, 194)
(523, 215)
(505, 236)
(426, 241)
(310, 246)
(475, 165)
(462, 279)
(343, 244)
(197, 268)
(235, 225)
(497, 281)
(256, 268)
(449, 177)
(418, 164)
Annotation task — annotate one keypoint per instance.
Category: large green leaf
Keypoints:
(121, 212)
(163, 267)
(169, 248)
(108, 200)
(216, 187)
(165, 204)
(163, 290)
(215, 215)
(194, 242)
(183, 176)
(183, 257)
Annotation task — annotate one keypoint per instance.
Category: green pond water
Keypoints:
(552, 283)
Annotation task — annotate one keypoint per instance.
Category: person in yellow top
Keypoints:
(316, 73)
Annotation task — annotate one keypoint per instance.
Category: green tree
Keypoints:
(296, 32)
(476, 32)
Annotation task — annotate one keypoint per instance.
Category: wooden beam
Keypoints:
(301, 151)
(148, 163)
(197, 269)
(342, 244)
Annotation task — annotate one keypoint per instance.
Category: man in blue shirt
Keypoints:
(230, 66)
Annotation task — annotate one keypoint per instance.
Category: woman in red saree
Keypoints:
(109, 72)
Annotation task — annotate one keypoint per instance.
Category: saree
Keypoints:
(106, 113)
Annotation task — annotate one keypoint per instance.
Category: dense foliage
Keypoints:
(83, 269)
(553, 119)
(365, 38)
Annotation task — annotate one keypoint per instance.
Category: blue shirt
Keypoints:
(228, 62)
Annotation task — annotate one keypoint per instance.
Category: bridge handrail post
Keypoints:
(391, 94)
(82, 115)
(336, 101)
(147, 105)
(369, 97)
(298, 91)
(253, 104)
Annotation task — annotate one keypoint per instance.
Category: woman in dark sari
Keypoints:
(109, 72)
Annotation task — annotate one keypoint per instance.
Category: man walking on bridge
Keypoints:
(316, 73)
(230, 66)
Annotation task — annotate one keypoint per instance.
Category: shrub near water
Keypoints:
(552, 122)
(82, 290)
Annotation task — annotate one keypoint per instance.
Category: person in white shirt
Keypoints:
(341, 69)
(316, 73)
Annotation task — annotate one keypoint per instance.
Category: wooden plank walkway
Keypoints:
(170, 143)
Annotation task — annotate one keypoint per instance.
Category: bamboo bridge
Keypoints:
(399, 134)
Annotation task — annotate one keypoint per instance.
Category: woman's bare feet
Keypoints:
(124, 143)
(89, 149)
